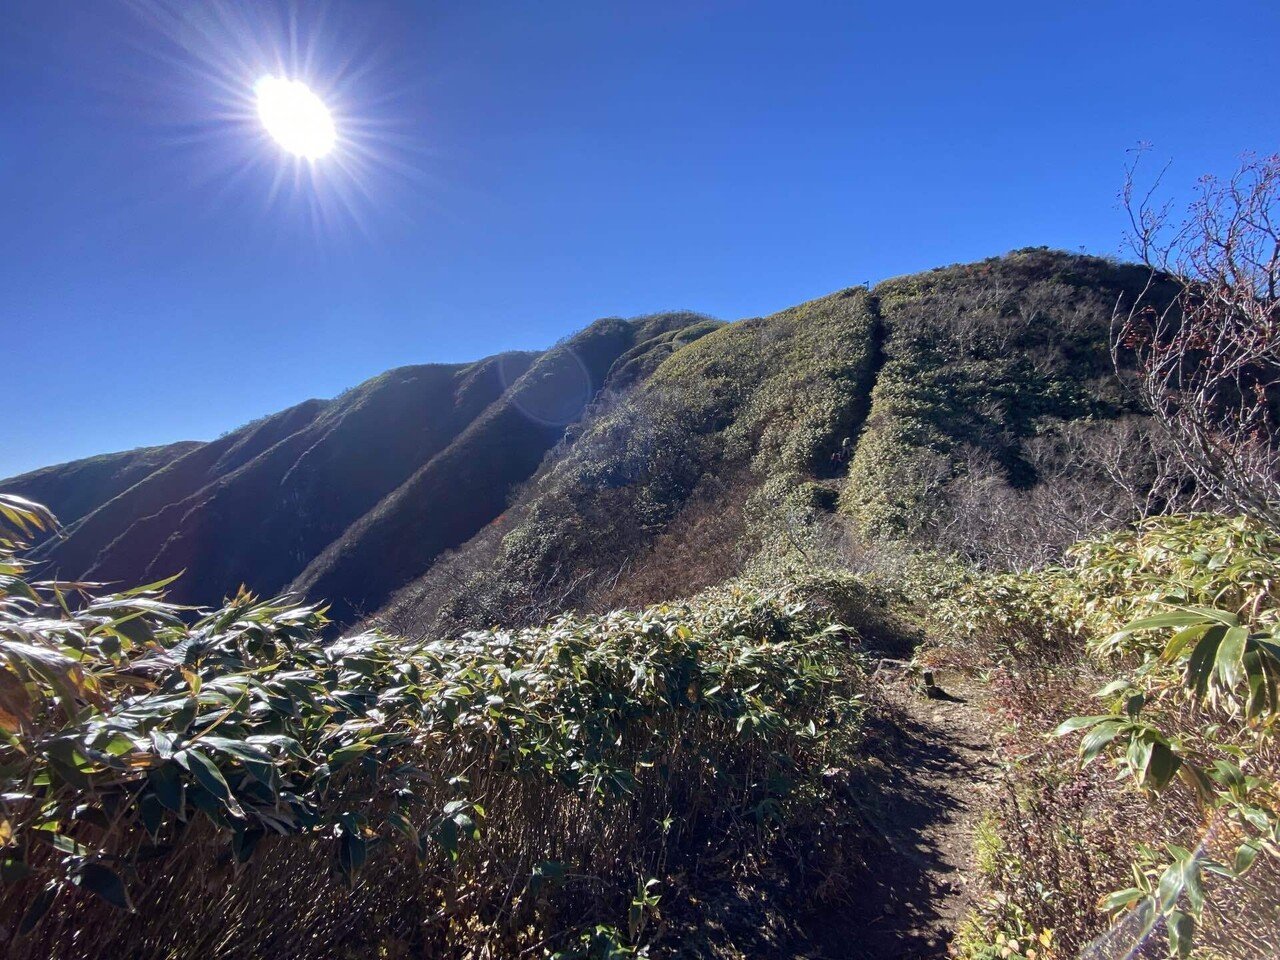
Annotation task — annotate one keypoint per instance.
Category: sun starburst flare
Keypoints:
(295, 117)
(301, 108)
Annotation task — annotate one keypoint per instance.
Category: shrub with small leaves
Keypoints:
(230, 783)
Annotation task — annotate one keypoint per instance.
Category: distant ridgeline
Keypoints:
(637, 460)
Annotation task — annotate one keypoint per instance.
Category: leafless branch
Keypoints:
(1208, 358)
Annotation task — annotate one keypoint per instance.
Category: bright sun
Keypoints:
(297, 119)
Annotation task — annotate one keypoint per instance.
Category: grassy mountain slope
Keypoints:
(468, 483)
(723, 439)
(75, 489)
(739, 448)
(980, 360)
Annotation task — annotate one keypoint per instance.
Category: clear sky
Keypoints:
(508, 172)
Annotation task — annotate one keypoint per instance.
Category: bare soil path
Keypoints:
(930, 785)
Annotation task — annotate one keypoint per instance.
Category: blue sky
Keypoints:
(509, 172)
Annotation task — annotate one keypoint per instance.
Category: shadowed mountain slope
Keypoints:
(353, 496)
(85, 549)
(468, 483)
(77, 488)
(255, 506)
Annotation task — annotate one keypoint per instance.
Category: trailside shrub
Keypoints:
(1231, 563)
(1180, 614)
(237, 787)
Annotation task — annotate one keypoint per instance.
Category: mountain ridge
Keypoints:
(633, 461)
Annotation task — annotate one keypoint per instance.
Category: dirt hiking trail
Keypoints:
(931, 782)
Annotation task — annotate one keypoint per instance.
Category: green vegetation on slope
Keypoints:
(988, 366)
(943, 396)
(740, 422)
(643, 460)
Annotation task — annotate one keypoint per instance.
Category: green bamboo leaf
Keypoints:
(244, 842)
(237, 748)
(447, 837)
(1181, 928)
(1194, 888)
(1178, 644)
(1171, 883)
(105, 883)
(1231, 777)
(39, 907)
(1181, 617)
(1246, 853)
(344, 755)
(1200, 664)
(1121, 899)
(1114, 687)
(1080, 723)
(1097, 738)
(210, 777)
(1161, 767)
(1230, 657)
(1199, 782)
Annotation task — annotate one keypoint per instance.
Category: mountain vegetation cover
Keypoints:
(624, 648)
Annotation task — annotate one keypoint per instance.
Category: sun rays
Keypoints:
(297, 106)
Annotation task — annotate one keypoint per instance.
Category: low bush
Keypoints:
(234, 786)
(1175, 620)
